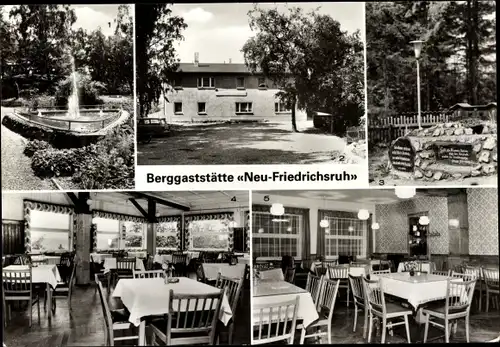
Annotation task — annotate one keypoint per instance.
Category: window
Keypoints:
(275, 237)
(243, 107)
(209, 235)
(201, 108)
(178, 107)
(166, 235)
(280, 107)
(177, 83)
(262, 83)
(50, 231)
(346, 236)
(240, 82)
(113, 234)
(206, 82)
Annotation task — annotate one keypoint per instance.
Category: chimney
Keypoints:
(229, 60)
(196, 58)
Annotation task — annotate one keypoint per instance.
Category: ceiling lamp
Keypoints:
(375, 226)
(405, 192)
(289, 229)
(277, 209)
(327, 230)
(89, 202)
(351, 228)
(454, 223)
(324, 223)
(157, 214)
(423, 220)
(261, 230)
(363, 214)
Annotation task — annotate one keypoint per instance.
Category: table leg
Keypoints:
(49, 300)
(142, 333)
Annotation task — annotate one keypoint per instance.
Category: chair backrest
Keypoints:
(290, 274)
(338, 272)
(200, 273)
(491, 278)
(22, 259)
(125, 263)
(328, 296)
(179, 258)
(108, 320)
(233, 287)
(72, 278)
(17, 283)
(280, 315)
(147, 273)
(374, 296)
(358, 292)
(313, 286)
(442, 273)
(377, 272)
(327, 263)
(204, 310)
(149, 262)
(459, 296)
(463, 276)
(476, 271)
(66, 259)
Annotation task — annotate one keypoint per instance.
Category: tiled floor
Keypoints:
(84, 325)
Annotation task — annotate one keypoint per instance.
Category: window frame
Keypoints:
(175, 235)
(337, 237)
(191, 234)
(243, 86)
(68, 232)
(211, 82)
(297, 236)
(262, 86)
(278, 108)
(143, 240)
(238, 106)
(204, 107)
(178, 103)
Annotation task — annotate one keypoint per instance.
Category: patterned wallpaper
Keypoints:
(393, 221)
(483, 220)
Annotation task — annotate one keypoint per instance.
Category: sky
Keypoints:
(89, 17)
(219, 31)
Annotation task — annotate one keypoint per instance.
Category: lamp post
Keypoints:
(417, 46)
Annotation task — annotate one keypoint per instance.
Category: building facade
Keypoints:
(224, 92)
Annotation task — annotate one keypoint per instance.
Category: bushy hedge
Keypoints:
(88, 90)
(34, 146)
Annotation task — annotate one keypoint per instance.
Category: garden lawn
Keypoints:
(240, 143)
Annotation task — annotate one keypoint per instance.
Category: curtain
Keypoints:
(306, 229)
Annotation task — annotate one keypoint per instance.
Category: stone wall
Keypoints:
(452, 151)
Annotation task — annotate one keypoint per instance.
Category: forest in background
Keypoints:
(458, 60)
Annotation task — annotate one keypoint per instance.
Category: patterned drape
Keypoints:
(201, 217)
(29, 205)
(247, 226)
(178, 221)
(118, 216)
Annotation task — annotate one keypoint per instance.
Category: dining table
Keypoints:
(145, 297)
(47, 274)
(269, 292)
(46, 259)
(212, 270)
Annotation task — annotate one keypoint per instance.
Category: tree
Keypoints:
(306, 56)
(156, 62)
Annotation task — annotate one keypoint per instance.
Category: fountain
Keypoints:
(73, 104)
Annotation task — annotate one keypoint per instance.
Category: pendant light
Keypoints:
(277, 209)
(375, 226)
(405, 192)
(363, 214)
(423, 220)
(324, 223)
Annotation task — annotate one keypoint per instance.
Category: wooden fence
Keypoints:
(390, 128)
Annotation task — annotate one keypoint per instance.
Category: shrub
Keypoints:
(34, 146)
(57, 162)
(88, 90)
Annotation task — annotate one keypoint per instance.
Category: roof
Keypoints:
(473, 107)
(214, 68)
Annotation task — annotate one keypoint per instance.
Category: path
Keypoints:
(16, 167)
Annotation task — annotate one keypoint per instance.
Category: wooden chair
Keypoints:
(124, 268)
(442, 273)
(232, 287)
(179, 260)
(378, 308)
(359, 298)
(18, 286)
(327, 263)
(320, 270)
(183, 326)
(114, 320)
(64, 288)
(200, 274)
(275, 322)
(457, 306)
(147, 274)
(290, 274)
(463, 276)
(66, 259)
(22, 259)
(476, 272)
(97, 271)
(326, 306)
(492, 286)
(340, 273)
(378, 272)
(313, 286)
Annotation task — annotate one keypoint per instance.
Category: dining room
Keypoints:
(392, 265)
(132, 268)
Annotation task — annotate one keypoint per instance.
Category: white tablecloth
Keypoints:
(244, 260)
(161, 258)
(47, 259)
(41, 273)
(110, 264)
(150, 296)
(274, 292)
(99, 257)
(425, 267)
(416, 290)
(212, 270)
(273, 274)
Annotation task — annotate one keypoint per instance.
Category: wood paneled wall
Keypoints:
(12, 236)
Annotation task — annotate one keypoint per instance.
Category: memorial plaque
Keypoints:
(402, 155)
(455, 153)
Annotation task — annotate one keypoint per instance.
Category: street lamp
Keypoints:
(417, 46)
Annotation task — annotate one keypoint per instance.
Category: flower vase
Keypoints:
(412, 273)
